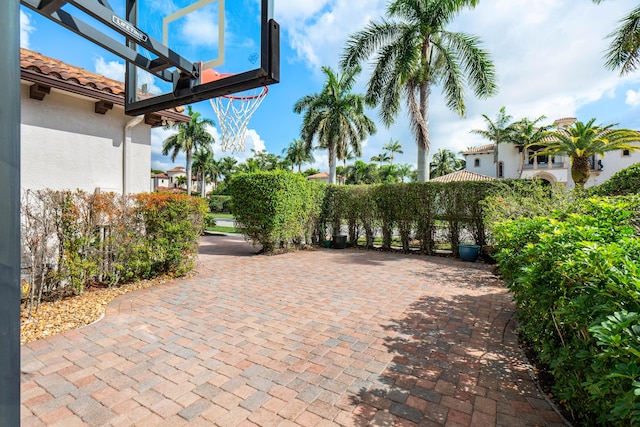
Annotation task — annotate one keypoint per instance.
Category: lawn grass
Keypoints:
(221, 215)
(222, 229)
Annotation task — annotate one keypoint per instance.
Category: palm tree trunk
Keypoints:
(203, 190)
(521, 167)
(188, 153)
(580, 170)
(424, 139)
(332, 164)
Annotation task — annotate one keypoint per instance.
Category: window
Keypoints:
(626, 153)
(476, 163)
(500, 169)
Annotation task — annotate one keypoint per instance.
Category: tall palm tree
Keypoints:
(624, 50)
(499, 131)
(191, 136)
(393, 147)
(581, 141)
(203, 165)
(335, 116)
(298, 153)
(526, 133)
(227, 167)
(413, 51)
(445, 162)
(381, 158)
(346, 156)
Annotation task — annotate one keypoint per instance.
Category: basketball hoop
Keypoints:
(234, 112)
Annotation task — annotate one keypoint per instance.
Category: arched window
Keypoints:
(626, 153)
(476, 163)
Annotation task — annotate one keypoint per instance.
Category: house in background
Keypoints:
(324, 177)
(74, 133)
(553, 169)
(169, 180)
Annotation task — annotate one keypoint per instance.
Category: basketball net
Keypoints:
(233, 113)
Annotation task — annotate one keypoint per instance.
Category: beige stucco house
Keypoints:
(74, 133)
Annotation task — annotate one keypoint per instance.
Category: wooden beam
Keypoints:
(102, 106)
(39, 91)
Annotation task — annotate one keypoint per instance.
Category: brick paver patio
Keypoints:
(312, 338)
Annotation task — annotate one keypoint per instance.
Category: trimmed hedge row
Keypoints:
(575, 275)
(279, 209)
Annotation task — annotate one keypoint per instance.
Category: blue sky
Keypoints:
(548, 56)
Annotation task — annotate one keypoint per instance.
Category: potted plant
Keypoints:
(468, 252)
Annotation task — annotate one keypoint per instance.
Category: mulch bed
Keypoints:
(72, 312)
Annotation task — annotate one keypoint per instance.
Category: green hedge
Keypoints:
(575, 278)
(273, 208)
(623, 182)
(278, 209)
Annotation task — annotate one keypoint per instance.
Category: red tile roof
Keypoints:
(39, 63)
(463, 175)
(43, 69)
(488, 148)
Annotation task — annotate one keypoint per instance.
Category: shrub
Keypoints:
(623, 182)
(272, 208)
(73, 238)
(574, 276)
(219, 204)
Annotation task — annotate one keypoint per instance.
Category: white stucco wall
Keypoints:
(66, 145)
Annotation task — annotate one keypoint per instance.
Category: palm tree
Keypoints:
(404, 171)
(382, 157)
(298, 153)
(393, 147)
(499, 132)
(191, 136)
(227, 167)
(203, 164)
(347, 155)
(525, 133)
(581, 141)
(624, 50)
(181, 180)
(335, 116)
(362, 173)
(414, 51)
(445, 162)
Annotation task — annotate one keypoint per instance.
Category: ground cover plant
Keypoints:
(575, 276)
(73, 239)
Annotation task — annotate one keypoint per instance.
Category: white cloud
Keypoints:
(200, 28)
(26, 28)
(111, 69)
(633, 98)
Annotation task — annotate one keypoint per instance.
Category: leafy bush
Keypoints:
(219, 204)
(272, 208)
(574, 276)
(623, 182)
(73, 238)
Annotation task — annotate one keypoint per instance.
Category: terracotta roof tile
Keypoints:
(463, 175)
(55, 68)
(481, 149)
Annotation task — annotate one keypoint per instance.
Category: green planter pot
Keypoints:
(468, 252)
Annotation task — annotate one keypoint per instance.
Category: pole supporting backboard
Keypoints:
(10, 214)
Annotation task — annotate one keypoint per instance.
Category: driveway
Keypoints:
(312, 338)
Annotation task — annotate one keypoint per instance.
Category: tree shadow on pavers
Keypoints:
(367, 257)
(458, 274)
(226, 245)
(448, 352)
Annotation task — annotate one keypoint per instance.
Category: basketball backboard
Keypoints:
(234, 45)
(178, 51)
